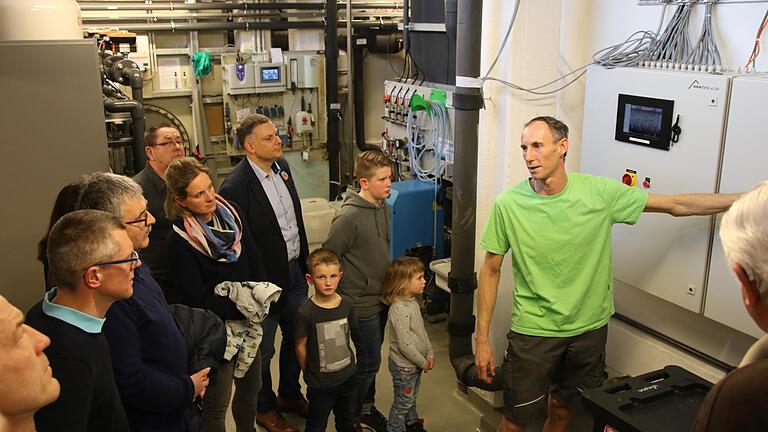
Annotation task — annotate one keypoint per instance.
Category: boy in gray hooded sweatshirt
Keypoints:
(360, 237)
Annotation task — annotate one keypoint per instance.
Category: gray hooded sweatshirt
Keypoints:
(360, 237)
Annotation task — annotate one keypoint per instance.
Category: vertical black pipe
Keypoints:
(406, 23)
(358, 94)
(450, 30)
(332, 96)
(139, 122)
(462, 280)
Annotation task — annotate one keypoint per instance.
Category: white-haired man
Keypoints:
(737, 402)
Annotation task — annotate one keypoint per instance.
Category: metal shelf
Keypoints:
(169, 93)
(171, 51)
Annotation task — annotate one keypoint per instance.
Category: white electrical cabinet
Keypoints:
(743, 167)
(628, 117)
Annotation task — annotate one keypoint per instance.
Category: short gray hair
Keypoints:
(79, 240)
(744, 234)
(108, 192)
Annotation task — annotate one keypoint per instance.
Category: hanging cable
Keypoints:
(756, 48)
(504, 42)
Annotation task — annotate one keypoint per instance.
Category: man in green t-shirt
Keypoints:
(557, 227)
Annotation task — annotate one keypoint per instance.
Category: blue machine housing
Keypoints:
(416, 219)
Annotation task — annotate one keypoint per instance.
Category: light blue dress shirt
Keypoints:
(83, 321)
(274, 186)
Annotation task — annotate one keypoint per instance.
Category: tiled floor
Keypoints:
(440, 403)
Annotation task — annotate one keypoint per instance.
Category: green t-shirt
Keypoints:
(561, 251)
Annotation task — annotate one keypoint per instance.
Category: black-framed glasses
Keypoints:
(134, 260)
(178, 142)
(142, 221)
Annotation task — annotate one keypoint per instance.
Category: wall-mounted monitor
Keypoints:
(270, 75)
(644, 121)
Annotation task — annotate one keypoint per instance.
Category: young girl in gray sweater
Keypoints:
(410, 352)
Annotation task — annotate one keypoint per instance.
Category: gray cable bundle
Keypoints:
(705, 53)
(674, 46)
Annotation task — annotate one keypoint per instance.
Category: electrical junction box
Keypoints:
(302, 122)
(661, 254)
(743, 167)
(141, 56)
(302, 69)
(238, 78)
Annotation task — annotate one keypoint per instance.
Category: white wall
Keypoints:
(551, 38)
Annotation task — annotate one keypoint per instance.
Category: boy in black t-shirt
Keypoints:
(323, 346)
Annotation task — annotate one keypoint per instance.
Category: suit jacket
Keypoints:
(243, 187)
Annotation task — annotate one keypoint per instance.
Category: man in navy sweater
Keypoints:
(92, 260)
(149, 355)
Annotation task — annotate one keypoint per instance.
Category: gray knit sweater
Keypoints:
(408, 342)
(360, 237)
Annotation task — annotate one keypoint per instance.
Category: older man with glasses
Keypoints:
(92, 260)
(163, 146)
(149, 354)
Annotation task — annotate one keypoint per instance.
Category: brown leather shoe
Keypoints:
(273, 421)
(299, 406)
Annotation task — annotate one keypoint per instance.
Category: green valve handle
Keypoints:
(418, 103)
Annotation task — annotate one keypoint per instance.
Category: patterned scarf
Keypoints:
(220, 242)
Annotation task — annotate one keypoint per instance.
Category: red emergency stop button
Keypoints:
(629, 178)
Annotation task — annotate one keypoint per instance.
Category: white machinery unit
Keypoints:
(303, 69)
(743, 167)
(631, 134)
(400, 99)
(238, 78)
(298, 112)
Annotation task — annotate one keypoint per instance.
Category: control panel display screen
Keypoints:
(644, 121)
(270, 74)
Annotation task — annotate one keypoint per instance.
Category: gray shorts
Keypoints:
(536, 366)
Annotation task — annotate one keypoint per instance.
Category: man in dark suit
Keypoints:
(262, 185)
(163, 146)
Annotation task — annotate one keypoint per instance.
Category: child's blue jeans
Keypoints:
(406, 382)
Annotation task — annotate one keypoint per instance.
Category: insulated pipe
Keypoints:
(85, 6)
(462, 280)
(359, 95)
(138, 122)
(332, 97)
(450, 31)
(258, 25)
(406, 23)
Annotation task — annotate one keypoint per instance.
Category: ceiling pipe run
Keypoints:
(86, 6)
(279, 25)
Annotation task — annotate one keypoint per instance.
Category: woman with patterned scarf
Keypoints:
(210, 244)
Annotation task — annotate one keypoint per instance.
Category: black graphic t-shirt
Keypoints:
(330, 360)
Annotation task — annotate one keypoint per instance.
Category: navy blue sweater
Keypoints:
(89, 401)
(149, 358)
(197, 275)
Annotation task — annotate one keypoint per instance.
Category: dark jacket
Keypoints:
(206, 340)
(360, 237)
(155, 254)
(149, 358)
(244, 187)
(197, 274)
(204, 334)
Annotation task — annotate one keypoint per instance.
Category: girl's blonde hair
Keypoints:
(398, 275)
